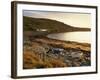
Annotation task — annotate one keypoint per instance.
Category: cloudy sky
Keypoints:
(73, 19)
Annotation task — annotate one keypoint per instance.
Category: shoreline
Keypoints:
(64, 44)
(43, 52)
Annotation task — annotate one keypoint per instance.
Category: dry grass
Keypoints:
(65, 44)
(31, 60)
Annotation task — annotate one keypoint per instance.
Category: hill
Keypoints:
(52, 26)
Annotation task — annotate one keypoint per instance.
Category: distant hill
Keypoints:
(52, 26)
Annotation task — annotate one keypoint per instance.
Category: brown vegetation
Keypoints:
(31, 60)
(35, 56)
(65, 44)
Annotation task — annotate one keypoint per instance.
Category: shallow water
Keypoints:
(84, 37)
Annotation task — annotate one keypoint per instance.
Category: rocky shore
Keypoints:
(43, 52)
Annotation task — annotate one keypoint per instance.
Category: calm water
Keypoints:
(73, 36)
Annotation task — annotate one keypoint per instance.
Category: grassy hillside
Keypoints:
(52, 26)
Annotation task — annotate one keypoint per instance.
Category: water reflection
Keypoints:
(73, 36)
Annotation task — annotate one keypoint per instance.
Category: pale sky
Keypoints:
(73, 19)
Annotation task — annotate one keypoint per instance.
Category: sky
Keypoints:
(74, 19)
